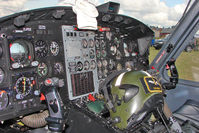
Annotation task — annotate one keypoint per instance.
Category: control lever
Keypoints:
(56, 121)
(174, 75)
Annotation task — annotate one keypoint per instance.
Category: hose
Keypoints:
(36, 120)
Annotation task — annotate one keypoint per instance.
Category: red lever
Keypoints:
(42, 98)
(91, 97)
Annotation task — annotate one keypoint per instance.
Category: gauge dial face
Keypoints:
(105, 63)
(97, 44)
(18, 52)
(58, 68)
(103, 53)
(2, 75)
(86, 65)
(92, 53)
(79, 66)
(91, 43)
(99, 64)
(54, 48)
(3, 100)
(84, 43)
(41, 48)
(23, 86)
(98, 53)
(42, 69)
(103, 45)
(93, 64)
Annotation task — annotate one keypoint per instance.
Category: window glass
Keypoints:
(188, 62)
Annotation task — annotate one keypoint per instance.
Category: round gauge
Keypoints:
(97, 44)
(2, 75)
(119, 55)
(104, 63)
(58, 68)
(108, 35)
(119, 67)
(98, 54)
(86, 65)
(79, 66)
(84, 43)
(93, 64)
(103, 53)
(99, 64)
(3, 100)
(113, 50)
(103, 45)
(91, 43)
(41, 48)
(42, 69)
(23, 86)
(54, 48)
(111, 64)
(19, 52)
(92, 53)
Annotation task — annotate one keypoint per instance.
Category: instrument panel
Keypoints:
(45, 47)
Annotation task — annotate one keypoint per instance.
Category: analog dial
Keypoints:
(23, 86)
(91, 43)
(84, 43)
(42, 69)
(93, 64)
(54, 48)
(41, 49)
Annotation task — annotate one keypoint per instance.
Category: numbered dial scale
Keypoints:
(23, 86)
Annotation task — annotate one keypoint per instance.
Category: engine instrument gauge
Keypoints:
(86, 65)
(42, 69)
(92, 53)
(54, 48)
(84, 43)
(98, 53)
(93, 64)
(97, 44)
(41, 48)
(99, 64)
(103, 53)
(3, 100)
(91, 43)
(2, 75)
(104, 63)
(103, 45)
(23, 87)
(79, 66)
(58, 68)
